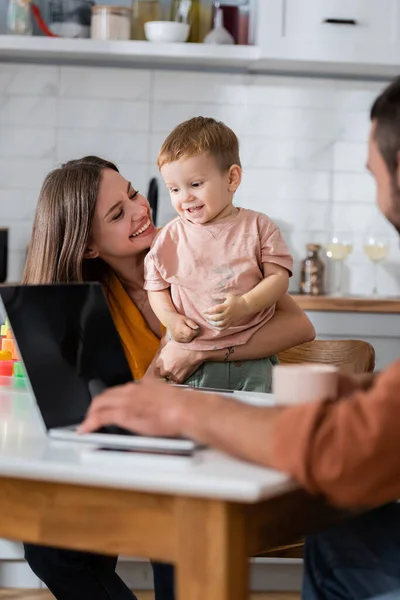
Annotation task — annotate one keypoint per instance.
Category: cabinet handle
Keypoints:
(340, 21)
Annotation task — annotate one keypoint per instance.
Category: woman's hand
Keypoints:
(152, 369)
(176, 364)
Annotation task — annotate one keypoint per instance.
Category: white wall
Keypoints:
(303, 146)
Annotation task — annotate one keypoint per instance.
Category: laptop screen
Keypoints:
(69, 345)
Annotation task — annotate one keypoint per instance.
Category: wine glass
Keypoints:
(339, 247)
(376, 248)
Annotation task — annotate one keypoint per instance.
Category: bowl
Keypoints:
(166, 31)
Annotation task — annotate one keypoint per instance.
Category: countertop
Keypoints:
(348, 304)
(27, 452)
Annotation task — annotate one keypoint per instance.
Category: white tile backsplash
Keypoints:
(360, 218)
(353, 126)
(356, 95)
(106, 114)
(119, 84)
(166, 115)
(350, 156)
(303, 147)
(296, 216)
(15, 267)
(28, 111)
(124, 146)
(17, 204)
(259, 152)
(277, 185)
(138, 174)
(23, 173)
(29, 80)
(297, 123)
(277, 91)
(25, 143)
(354, 187)
(19, 233)
(353, 217)
(195, 87)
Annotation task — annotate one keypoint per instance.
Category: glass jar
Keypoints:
(19, 18)
(111, 23)
(188, 11)
(312, 272)
(143, 11)
(70, 18)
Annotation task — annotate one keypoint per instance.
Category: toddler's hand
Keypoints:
(182, 329)
(227, 314)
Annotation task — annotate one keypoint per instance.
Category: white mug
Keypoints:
(296, 383)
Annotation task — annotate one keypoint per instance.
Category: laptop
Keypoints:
(71, 351)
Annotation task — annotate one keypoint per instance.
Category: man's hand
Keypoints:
(227, 314)
(149, 407)
(181, 328)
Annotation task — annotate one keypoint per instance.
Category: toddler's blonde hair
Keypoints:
(201, 135)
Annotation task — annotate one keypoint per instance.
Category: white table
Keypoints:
(207, 517)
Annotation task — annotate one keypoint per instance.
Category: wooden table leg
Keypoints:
(212, 550)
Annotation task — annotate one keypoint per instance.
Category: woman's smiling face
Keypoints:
(122, 225)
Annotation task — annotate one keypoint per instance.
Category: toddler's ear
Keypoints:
(234, 178)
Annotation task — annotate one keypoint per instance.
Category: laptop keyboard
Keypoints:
(114, 430)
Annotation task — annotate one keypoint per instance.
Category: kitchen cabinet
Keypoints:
(365, 21)
(330, 36)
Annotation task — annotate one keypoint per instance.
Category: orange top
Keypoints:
(347, 450)
(139, 342)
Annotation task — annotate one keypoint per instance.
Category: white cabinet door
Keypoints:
(369, 21)
(360, 37)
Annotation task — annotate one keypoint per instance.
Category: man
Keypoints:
(348, 450)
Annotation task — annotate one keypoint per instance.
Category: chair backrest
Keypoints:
(353, 356)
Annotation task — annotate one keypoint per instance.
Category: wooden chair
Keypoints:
(351, 356)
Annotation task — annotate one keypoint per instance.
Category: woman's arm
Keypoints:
(288, 327)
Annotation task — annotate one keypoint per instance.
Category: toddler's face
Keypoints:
(199, 191)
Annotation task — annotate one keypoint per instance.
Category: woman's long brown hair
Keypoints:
(62, 225)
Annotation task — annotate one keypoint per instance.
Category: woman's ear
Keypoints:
(234, 178)
(90, 253)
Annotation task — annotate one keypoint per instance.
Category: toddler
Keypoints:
(215, 272)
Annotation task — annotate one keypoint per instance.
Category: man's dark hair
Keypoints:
(386, 114)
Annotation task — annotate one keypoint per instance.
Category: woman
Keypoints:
(92, 224)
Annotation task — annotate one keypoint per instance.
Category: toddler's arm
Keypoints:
(264, 295)
(181, 328)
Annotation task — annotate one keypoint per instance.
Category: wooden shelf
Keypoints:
(348, 304)
(87, 51)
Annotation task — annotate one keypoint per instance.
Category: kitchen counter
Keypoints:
(348, 304)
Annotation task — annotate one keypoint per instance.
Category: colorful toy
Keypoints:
(11, 369)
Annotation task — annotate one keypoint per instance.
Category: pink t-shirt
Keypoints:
(202, 263)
